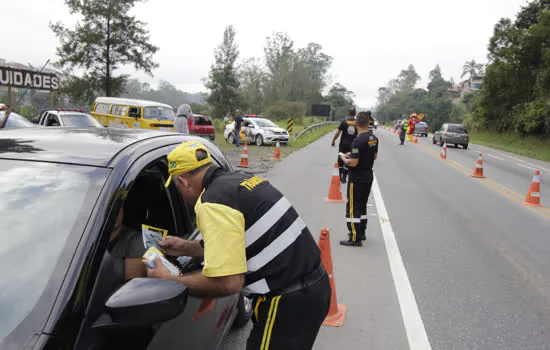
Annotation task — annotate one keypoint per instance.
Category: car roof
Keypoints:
(130, 101)
(84, 146)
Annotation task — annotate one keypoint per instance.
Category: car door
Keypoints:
(202, 322)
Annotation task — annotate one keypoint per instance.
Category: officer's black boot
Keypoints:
(350, 243)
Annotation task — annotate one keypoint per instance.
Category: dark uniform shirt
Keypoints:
(249, 227)
(238, 121)
(349, 132)
(364, 147)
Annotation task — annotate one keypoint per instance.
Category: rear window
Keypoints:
(459, 129)
(202, 120)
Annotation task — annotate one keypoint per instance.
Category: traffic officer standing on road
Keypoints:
(349, 131)
(254, 242)
(360, 160)
(403, 132)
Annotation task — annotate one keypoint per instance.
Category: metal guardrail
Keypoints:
(315, 126)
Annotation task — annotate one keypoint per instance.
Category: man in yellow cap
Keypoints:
(254, 242)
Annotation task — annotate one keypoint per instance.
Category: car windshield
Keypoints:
(264, 123)
(158, 113)
(81, 120)
(203, 120)
(16, 121)
(459, 129)
(43, 211)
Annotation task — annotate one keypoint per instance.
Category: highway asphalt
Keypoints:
(451, 261)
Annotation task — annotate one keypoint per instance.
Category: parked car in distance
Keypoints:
(96, 187)
(455, 134)
(63, 117)
(202, 125)
(257, 130)
(15, 121)
(421, 128)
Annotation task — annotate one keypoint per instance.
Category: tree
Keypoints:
(408, 78)
(471, 68)
(252, 78)
(280, 60)
(340, 99)
(223, 81)
(107, 38)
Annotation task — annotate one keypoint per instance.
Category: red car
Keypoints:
(202, 125)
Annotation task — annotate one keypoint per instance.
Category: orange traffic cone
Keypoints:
(533, 196)
(277, 154)
(337, 312)
(334, 194)
(478, 171)
(415, 139)
(443, 154)
(244, 157)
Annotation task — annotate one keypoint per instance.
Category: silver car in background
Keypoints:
(455, 134)
(421, 129)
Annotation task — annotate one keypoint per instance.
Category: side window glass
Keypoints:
(102, 108)
(119, 110)
(133, 112)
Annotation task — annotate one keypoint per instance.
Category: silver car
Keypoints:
(421, 129)
(455, 134)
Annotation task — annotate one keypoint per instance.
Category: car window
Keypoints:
(158, 113)
(52, 120)
(202, 121)
(119, 110)
(459, 129)
(264, 123)
(102, 108)
(80, 120)
(43, 211)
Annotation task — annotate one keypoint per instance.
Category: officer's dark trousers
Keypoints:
(356, 207)
(342, 168)
(289, 321)
(402, 135)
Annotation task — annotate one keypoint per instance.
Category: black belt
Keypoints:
(304, 282)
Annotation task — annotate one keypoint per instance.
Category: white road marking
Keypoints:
(534, 166)
(414, 326)
(492, 156)
(526, 166)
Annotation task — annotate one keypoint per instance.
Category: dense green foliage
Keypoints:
(517, 85)
(399, 99)
(286, 81)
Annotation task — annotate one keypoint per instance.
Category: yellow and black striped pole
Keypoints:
(290, 125)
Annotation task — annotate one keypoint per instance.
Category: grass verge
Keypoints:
(307, 138)
(531, 146)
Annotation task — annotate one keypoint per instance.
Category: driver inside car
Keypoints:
(125, 243)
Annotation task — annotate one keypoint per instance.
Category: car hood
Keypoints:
(273, 129)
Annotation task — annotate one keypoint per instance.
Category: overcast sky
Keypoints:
(370, 41)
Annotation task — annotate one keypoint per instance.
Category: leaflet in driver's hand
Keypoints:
(152, 236)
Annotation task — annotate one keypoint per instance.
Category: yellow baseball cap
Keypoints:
(183, 159)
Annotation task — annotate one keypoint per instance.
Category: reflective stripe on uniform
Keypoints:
(266, 221)
(353, 231)
(272, 315)
(363, 217)
(277, 246)
(258, 287)
(353, 220)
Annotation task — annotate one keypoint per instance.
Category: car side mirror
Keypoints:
(143, 302)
